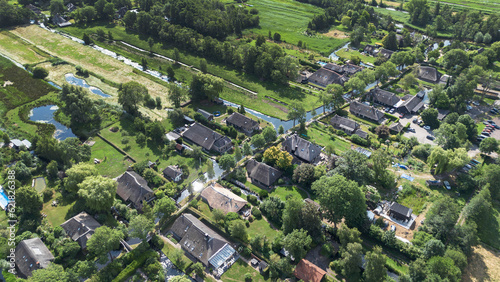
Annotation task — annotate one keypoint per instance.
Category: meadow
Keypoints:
(290, 18)
(264, 88)
(77, 54)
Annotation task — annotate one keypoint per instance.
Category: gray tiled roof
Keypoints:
(242, 121)
(132, 187)
(366, 111)
(384, 97)
(344, 123)
(203, 136)
(196, 238)
(262, 172)
(324, 77)
(80, 228)
(428, 73)
(301, 148)
(32, 254)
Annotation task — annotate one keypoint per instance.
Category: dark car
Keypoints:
(430, 137)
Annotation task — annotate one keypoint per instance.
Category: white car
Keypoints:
(447, 185)
(393, 228)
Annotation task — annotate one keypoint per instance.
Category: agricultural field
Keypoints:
(487, 6)
(290, 18)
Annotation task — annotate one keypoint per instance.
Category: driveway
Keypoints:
(420, 132)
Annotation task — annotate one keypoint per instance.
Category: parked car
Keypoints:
(411, 130)
(485, 122)
(401, 115)
(392, 111)
(426, 127)
(486, 133)
(475, 161)
(430, 137)
(493, 111)
(490, 121)
(496, 126)
(475, 103)
(469, 108)
(447, 185)
(415, 120)
(393, 228)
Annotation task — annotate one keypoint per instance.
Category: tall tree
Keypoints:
(375, 266)
(164, 207)
(333, 192)
(296, 112)
(140, 226)
(176, 94)
(351, 260)
(103, 241)
(98, 192)
(77, 174)
(28, 200)
(130, 96)
(297, 243)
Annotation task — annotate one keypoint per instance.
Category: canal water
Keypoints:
(45, 114)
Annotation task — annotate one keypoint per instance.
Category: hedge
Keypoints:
(133, 266)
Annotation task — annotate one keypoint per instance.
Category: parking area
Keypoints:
(420, 132)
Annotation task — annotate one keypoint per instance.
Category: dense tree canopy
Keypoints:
(333, 194)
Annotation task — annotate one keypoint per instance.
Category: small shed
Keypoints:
(206, 114)
(400, 212)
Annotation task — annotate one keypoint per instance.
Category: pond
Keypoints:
(71, 79)
(45, 114)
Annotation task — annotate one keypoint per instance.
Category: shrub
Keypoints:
(47, 194)
(253, 200)
(230, 111)
(247, 223)
(256, 213)
(40, 73)
(263, 194)
(248, 277)
(114, 129)
(246, 252)
(250, 219)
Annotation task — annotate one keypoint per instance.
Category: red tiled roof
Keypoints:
(308, 271)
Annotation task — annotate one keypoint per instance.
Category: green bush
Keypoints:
(40, 73)
(256, 213)
(263, 194)
(133, 266)
(252, 200)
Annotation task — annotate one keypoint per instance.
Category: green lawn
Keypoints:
(488, 6)
(238, 271)
(252, 187)
(347, 55)
(262, 227)
(283, 191)
(113, 163)
(414, 199)
(59, 214)
(317, 134)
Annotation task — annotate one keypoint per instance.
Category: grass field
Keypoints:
(90, 59)
(283, 191)
(113, 163)
(238, 271)
(488, 6)
(290, 18)
(59, 214)
(263, 88)
(320, 136)
(347, 55)
(262, 227)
